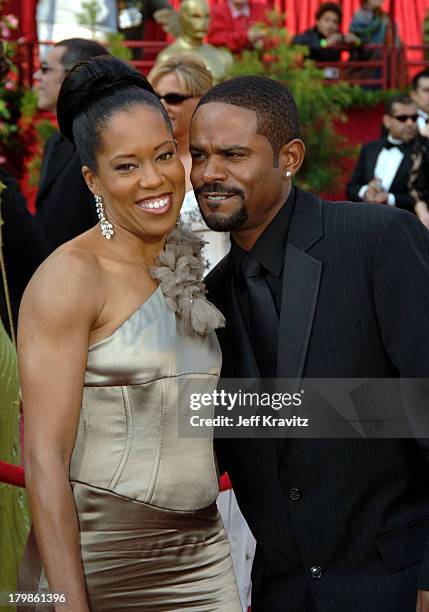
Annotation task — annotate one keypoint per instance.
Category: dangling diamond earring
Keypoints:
(106, 227)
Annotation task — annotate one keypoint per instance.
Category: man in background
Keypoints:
(383, 169)
(420, 94)
(238, 25)
(64, 204)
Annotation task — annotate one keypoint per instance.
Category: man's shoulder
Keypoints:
(215, 277)
(362, 214)
(373, 144)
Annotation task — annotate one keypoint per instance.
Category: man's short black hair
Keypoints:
(423, 74)
(276, 111)
(399, 99)
(78, 49)
(331, 7)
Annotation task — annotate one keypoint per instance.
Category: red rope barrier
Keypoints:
(12, 474)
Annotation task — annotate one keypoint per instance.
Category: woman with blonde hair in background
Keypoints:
(179, 83)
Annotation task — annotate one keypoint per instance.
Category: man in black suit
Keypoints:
(65, 206)
(383, 169)
(341, 524)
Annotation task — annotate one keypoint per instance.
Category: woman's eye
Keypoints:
(125, 167)
(166, 155)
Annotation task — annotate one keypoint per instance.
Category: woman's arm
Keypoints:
(58, 309)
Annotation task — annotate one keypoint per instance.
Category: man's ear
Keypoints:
(291, 156)
(91, 180)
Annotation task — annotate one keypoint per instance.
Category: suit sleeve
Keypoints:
(24, 244)
(222, 33)
(358, 179)
(401, 293)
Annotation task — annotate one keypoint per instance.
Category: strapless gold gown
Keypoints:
(151, 537)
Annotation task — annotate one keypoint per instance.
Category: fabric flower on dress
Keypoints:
(178, 270)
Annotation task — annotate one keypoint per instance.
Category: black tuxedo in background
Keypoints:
(24, 246)
(65, 206)
(364, 173)
(341, 524)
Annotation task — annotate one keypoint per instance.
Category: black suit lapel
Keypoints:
(61, 154)
(301, 280)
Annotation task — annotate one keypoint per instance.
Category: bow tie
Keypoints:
(403, 146)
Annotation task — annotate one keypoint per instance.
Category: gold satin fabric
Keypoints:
(151, 537)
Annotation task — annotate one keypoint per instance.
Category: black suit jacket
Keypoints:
(24, 246)
(354, 305)
(364, 173)
(65, 206)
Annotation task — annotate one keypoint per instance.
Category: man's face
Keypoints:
(236, 184)
(401, 123)
(50, 75)
(328, 23)
(421, 94)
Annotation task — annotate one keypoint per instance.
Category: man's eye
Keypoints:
(197, 155)
(233, 154)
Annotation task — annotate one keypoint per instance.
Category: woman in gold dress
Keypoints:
(113, 327)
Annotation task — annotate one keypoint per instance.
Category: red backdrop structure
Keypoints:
(409, 15)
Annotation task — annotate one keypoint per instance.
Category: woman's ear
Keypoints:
(91, 180)
(291, 156)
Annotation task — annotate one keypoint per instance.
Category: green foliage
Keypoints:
(44, 130)
(28, 104)
(320, 105)
(115, 46)
(8, 89)
(88, 17)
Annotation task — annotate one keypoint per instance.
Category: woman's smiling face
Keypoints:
(139, 174)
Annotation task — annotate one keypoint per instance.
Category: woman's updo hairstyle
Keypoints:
(91, 93)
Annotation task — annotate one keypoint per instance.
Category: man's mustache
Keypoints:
(218, 188)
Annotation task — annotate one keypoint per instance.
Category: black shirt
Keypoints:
(269, 251)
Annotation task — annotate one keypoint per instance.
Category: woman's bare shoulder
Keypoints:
(67, 283)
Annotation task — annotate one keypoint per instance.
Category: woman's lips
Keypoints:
(156, 206)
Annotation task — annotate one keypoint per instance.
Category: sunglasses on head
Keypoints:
(404, 118)
(174, 98)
